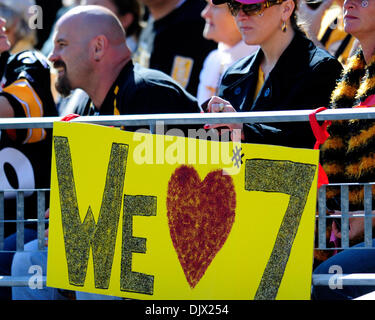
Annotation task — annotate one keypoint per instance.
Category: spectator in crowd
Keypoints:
(221, 28)
(324, 25)
(173, 41)
(25, 154)
(96, 59)
(288, 73)
(129, 14)
(347, 155)
(17, 16)
(109, 64)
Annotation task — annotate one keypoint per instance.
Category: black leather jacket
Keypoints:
(303, 78)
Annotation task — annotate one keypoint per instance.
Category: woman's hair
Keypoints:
(133, 7)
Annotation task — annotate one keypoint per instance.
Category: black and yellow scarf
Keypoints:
(348, 155)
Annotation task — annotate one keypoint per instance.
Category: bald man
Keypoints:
(90, 53)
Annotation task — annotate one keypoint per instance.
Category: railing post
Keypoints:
(41, 218)
(368, 215)
(153, 128)
(20, 220)
(344, 216)
(322, 217)
(2, 217)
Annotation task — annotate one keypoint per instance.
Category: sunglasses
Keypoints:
(250, 9)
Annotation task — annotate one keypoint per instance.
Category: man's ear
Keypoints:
(99, 46)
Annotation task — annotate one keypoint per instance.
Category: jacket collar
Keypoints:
(107, 107)
(296, 51)
(243, 75)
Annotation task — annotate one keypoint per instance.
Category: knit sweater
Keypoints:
(348, 155)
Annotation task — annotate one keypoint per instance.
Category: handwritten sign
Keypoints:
(132, 217)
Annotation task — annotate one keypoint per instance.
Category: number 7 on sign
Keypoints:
(287, 177)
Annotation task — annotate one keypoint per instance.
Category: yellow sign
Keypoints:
(163, 217)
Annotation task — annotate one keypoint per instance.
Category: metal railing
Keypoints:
(38, 223)
(20, 220)
(344, 216)
(171, 119)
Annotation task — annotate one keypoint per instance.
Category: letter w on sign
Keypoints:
(78, 236)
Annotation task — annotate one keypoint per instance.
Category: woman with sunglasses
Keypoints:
(222, 28)
(288, 72)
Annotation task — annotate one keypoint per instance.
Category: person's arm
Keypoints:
(19, 100)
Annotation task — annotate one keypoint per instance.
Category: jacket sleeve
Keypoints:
(298, 135)
(28, 91)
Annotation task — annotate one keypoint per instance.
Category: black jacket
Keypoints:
(138, 90)
(142, 91)
(175, 45)
(303, 78)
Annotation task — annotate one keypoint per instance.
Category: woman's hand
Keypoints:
(217, 104)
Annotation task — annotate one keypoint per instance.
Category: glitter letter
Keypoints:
(287, 177)
(134, 281)
(79, 236)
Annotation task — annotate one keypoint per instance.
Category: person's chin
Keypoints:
(351, 25)
(250, 41)
(352, 30)
(64, 91)
(209, 34)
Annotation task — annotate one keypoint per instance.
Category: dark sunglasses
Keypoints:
(250, 9)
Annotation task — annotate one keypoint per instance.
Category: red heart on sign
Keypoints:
(200, 217)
